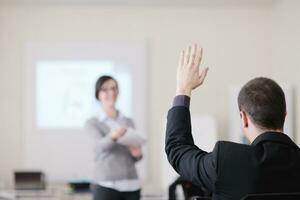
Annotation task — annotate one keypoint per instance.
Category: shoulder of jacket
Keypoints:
(232, 146)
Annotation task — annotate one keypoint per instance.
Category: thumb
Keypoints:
(203, 75)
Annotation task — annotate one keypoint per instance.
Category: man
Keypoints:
(271, 164)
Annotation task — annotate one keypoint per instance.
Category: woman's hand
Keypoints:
(135, 150)
(117, 133)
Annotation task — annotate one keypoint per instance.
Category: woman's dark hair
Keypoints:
(264, 100)
(101, 80)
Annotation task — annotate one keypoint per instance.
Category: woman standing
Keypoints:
(115, 173)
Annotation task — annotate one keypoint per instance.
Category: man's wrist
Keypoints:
(186, 92)
(181, 100)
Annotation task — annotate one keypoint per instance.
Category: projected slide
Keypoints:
(65, 91)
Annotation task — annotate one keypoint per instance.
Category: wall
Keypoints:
(286, 50)
(235, 37)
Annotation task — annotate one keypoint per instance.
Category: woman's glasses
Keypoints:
(114, 89)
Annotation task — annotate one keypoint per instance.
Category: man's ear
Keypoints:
(245, 119)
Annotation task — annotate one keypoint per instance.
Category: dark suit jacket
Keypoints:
(270, 164)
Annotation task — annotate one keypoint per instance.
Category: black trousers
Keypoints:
(103, 193)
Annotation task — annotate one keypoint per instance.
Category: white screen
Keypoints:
(65, 91)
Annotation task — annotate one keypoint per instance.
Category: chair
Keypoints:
(200, 198)
(191, 191)
(273, 196)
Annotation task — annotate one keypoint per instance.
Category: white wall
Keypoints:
(286, 50)
(236, 40)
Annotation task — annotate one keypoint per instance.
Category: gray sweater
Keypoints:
(113, 161)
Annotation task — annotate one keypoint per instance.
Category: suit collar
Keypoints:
(274, 137)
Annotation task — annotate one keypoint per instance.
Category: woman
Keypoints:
(115, 173)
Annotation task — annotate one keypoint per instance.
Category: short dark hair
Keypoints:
(264, 100)
(101, 80)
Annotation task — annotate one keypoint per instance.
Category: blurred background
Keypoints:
(52, 51)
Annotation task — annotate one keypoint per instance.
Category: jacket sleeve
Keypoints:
(185, 157)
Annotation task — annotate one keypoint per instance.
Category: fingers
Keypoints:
(117, 133)
(192, 55)
(187, 55)
(203, 75)
(133, 147)
(198, 57)
(123, 131)
(189, 74)
(181, 59)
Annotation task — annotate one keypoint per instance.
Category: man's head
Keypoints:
(262, 107)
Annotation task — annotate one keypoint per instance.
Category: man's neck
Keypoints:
(258, 132)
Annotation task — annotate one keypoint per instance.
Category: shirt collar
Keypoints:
(102, 116)
(273, 137)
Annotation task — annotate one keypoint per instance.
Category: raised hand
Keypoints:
(189, 74)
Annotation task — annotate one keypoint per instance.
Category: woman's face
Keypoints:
(109, 93)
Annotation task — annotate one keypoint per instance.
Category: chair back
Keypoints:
(273, 196)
